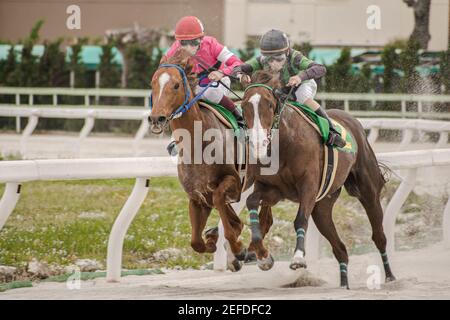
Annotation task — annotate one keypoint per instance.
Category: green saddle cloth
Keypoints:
(324, 127)
(321, 122)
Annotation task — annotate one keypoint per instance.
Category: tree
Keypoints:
(421, 32)
(409, 60)
(339, 75)
(445, 70)
(304, 47)
(389, 58)
(76, 64)
(109, 70)
(7, 68)
(52, 70)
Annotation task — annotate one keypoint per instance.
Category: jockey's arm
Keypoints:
(248, 67)
(229, 60)
(309, 69)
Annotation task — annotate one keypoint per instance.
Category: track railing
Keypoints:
(14, 173)
(408, 127)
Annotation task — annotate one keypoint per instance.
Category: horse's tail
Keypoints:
(385, 172)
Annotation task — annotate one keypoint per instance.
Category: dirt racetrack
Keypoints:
(421, 274)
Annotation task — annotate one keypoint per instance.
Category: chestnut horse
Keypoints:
(207, 185)
(301, 161)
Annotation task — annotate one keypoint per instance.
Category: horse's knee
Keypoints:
(227, 191)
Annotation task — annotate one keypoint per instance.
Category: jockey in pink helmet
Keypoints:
(207, 52)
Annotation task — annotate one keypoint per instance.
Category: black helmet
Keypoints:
(274, 42)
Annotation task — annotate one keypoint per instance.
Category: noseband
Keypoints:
(187, 93)
(280, 105)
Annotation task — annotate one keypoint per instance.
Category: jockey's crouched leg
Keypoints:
(305, 94)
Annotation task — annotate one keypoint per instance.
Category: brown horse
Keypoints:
(301, 161)
(208, 185)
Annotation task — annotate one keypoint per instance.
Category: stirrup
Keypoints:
(335, 139)
(172, 148)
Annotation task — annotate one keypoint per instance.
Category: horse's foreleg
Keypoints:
(198, 215)
(260, 225)
(228, 190)
(301, 226)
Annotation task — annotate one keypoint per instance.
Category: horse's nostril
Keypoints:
(162, 119)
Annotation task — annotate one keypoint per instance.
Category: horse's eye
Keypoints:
(176, 86)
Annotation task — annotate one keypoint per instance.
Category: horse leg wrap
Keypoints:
(300, 239)
(387, 268)
(254, 226)
(343, 271)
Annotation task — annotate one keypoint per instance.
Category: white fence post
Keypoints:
(373, 135)
(446, 224)
(140, 134)
(394, 206)
(31, 125)
(9, 200)
(312, 241)
(406, 139)
(220, 256)
(120, 227)
(89, 122)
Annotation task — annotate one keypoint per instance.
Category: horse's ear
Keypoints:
(183, 57)
(245, 81)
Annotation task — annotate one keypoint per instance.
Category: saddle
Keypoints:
(227, 118)
(331, 154)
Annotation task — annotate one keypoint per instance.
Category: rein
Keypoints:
(187, 94)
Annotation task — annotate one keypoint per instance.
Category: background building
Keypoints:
(321, 22)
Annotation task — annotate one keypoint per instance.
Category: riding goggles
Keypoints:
(193, 42)
(279, 58)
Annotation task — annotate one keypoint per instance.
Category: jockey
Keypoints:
(295, 70)
(207, 53)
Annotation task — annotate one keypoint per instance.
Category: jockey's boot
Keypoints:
(172, 148)
(334, 137)
(239, 118)
(229, 104)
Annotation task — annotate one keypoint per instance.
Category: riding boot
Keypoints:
(334, 137)
(229, 104)
(172, 148)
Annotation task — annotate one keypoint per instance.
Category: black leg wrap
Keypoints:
(387, 268)
(344, 277)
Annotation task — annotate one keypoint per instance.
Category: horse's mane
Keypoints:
(183, 59)
(267, 78)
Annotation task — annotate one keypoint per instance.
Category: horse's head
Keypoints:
(259, 107)
(170, 89)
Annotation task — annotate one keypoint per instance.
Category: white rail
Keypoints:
(13, 173)
(89, 116)
(407, 126)
(422, 101)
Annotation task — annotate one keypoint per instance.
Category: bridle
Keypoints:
(186, 105)
(279, 107)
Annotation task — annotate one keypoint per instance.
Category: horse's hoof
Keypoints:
(250, 257)
(390, 278)
(297, 263)
(266, 264)
(345, 286)
(235, 265)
